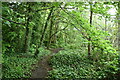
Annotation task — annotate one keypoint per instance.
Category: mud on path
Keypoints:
(43, 67)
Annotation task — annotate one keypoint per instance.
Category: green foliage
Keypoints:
(32, 49)
(73, 64)
(26, 28)
(17, 66)
(20, 65)
(43, 52)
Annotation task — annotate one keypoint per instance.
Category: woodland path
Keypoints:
(43, 67)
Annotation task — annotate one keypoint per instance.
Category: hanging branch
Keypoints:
(50, 8)
(58, 31)
(12, 21)
(72, 17)
(74, 25)
(80, 31)
(34, 11)
(85, 36)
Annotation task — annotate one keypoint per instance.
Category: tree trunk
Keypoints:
(105, 24)
(42, 37)
(89, 39)
(45, 27)
(119, 25)
(50, 33)
(28, 31)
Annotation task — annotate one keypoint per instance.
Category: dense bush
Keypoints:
(75, 65)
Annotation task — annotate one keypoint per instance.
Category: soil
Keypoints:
(43, 67)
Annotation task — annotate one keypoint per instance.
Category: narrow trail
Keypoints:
(43, 67)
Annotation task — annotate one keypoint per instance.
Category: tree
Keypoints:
(45, 27)
(89, 39)
(118, 17)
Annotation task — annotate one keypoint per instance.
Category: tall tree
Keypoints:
(28, 28)
(119, 25)
(89, 39)
(44, 30)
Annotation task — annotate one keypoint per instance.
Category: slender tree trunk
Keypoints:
(118, 16)
(56, 30)
(105, 24)
(1, 40)
(20, 42)
(89, 39)
(50, 33)
(28, 31)
(45, 27)
(42, 37)
(119, 25)
(106, 38)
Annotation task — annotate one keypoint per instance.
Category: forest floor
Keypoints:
(43, 67)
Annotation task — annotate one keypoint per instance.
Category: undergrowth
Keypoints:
(20, 65)
(73, 64)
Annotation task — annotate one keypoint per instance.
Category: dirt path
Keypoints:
(43, 67)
